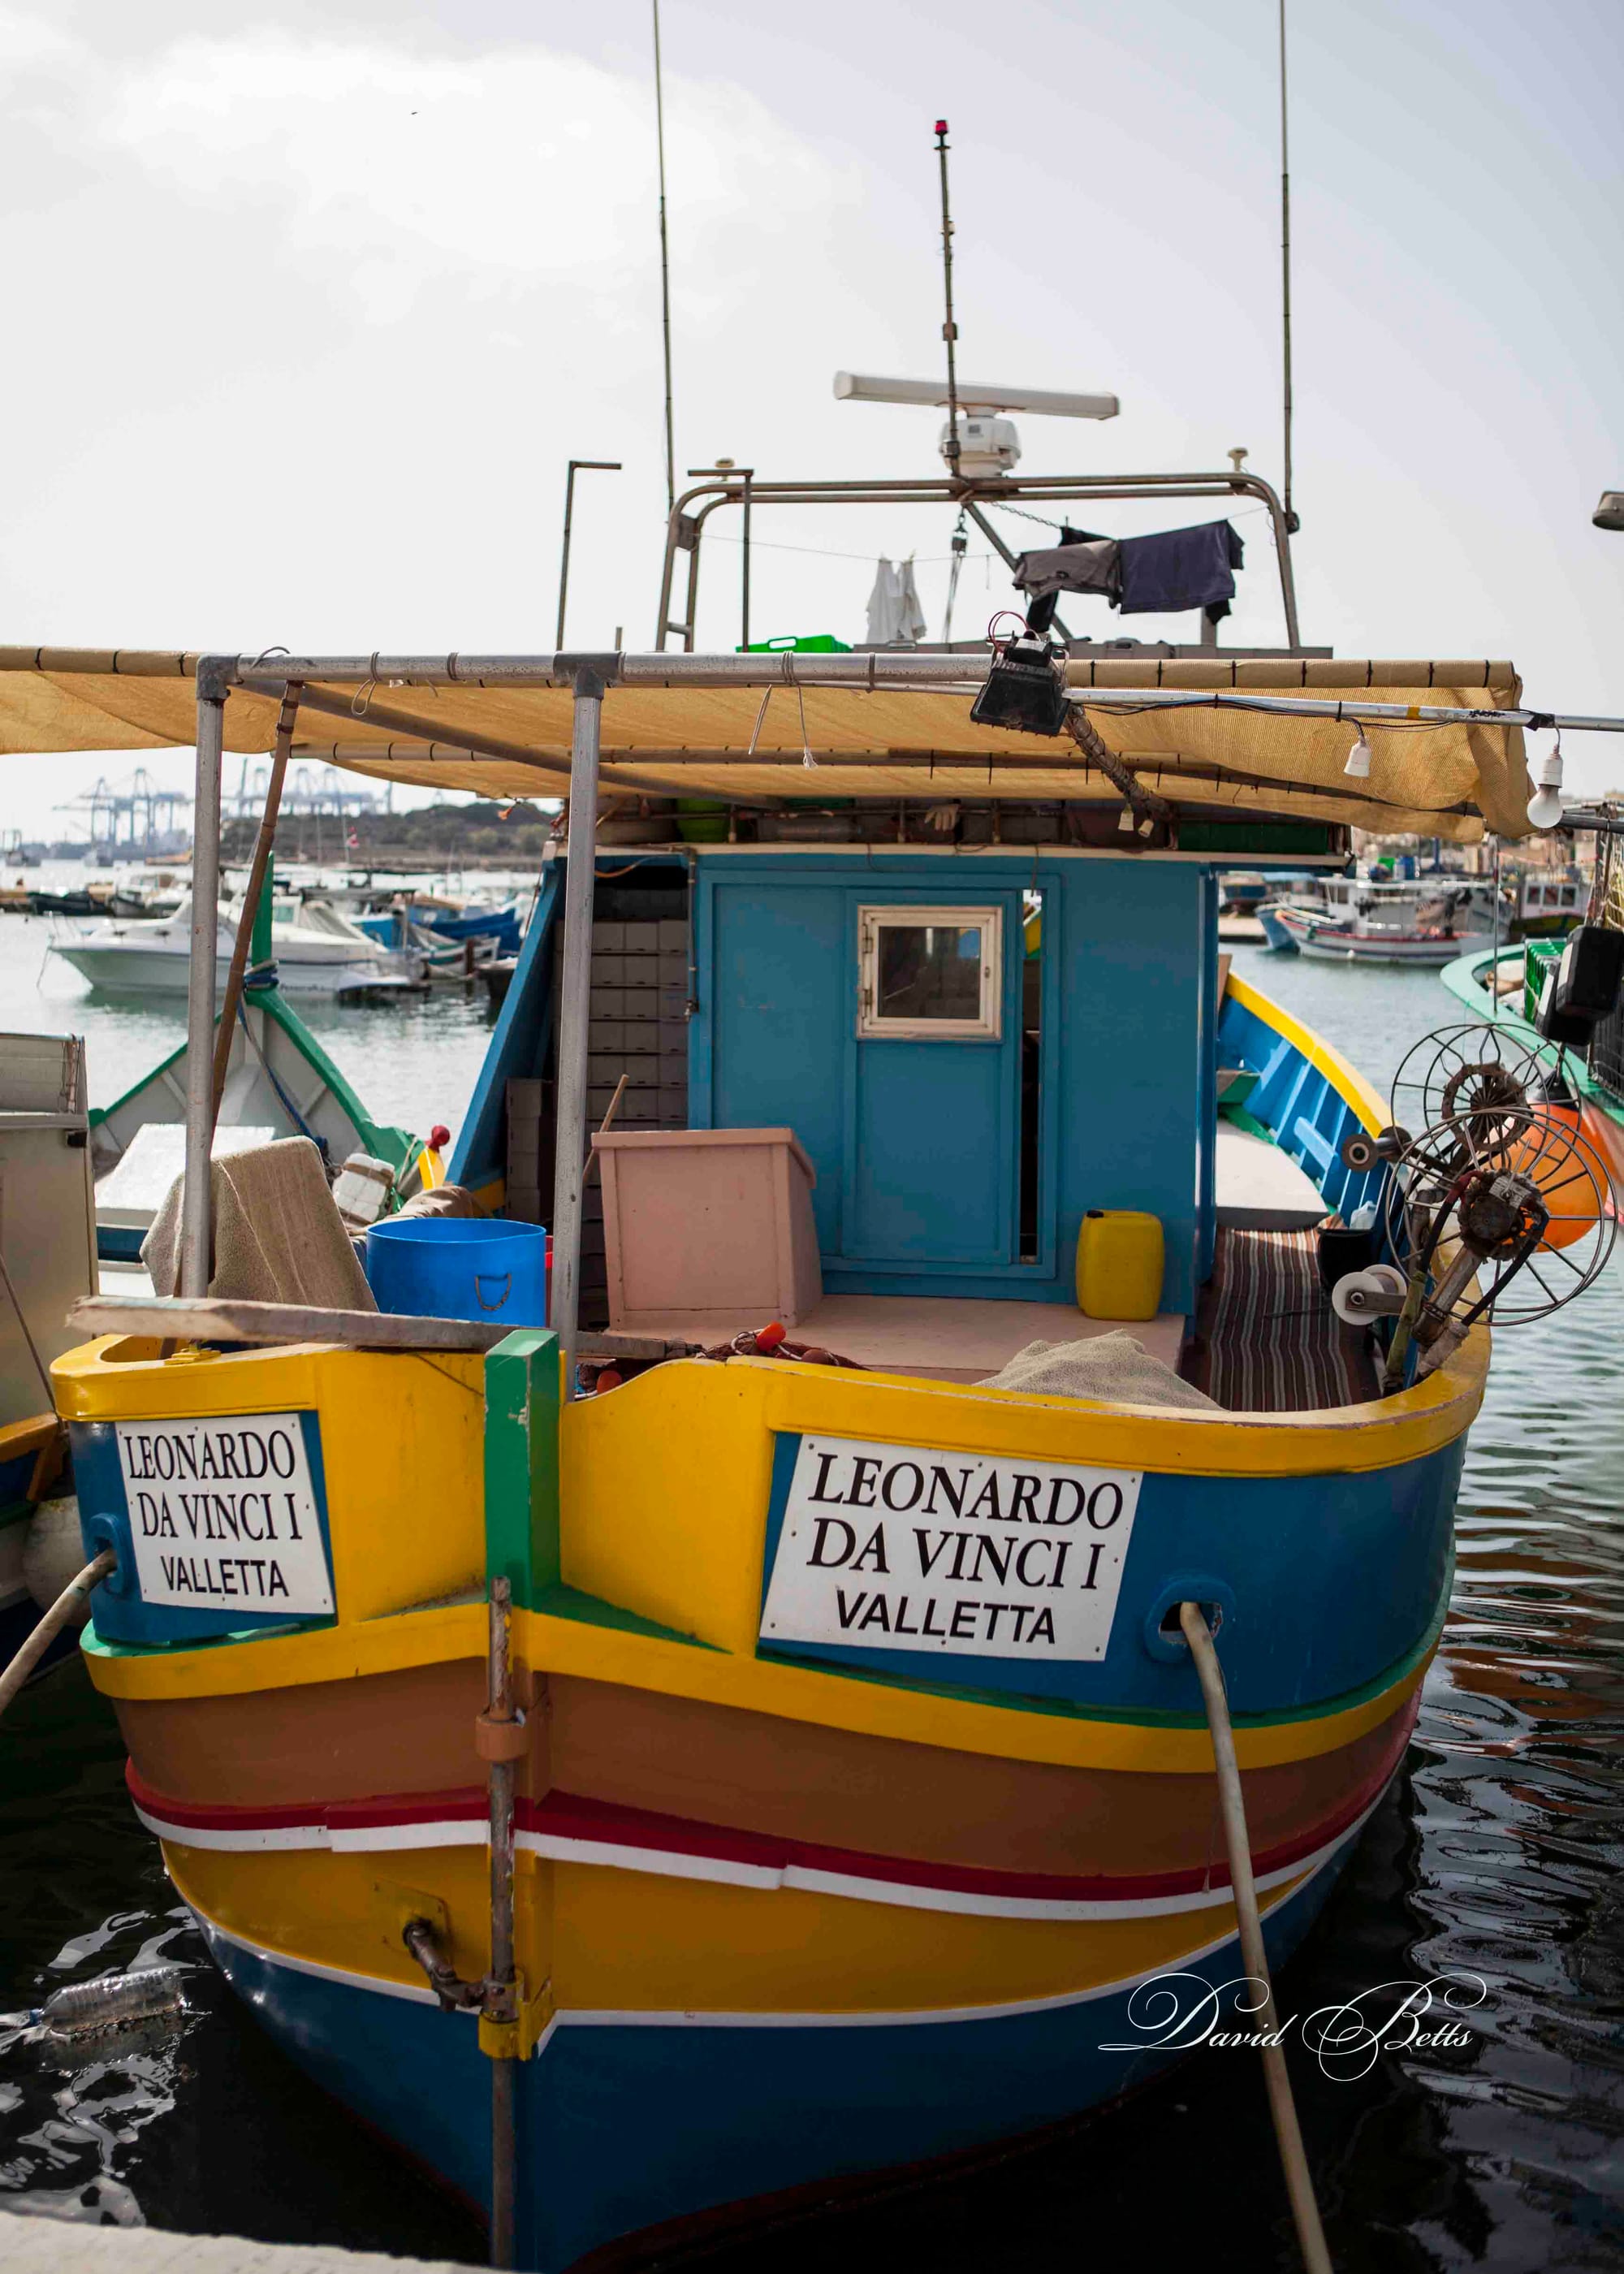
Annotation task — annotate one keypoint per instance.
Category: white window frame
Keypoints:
(987, 1026)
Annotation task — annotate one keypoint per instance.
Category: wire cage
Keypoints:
(1478, 1073)
(1433, 1182)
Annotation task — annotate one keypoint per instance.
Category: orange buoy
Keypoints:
(1572, 1179)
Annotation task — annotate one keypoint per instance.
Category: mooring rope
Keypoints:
(1282, 2108)
(67, 1606)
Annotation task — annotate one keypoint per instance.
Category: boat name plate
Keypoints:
(224, 1514)
(888, 1546)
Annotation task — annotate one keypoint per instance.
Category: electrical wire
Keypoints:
(33, 1348)
(830, 552)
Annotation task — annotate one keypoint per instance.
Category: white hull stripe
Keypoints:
(724, 1871)
(666, 2018)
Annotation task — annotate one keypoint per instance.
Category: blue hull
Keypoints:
(625, 2125)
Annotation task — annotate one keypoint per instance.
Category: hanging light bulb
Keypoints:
(1545, 808)
(1358, 757)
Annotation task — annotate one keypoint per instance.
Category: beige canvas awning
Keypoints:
(750, 745)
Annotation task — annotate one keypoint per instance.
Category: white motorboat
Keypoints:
(1354, 919)
(317, 948)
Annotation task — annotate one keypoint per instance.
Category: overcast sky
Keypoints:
(310, 304)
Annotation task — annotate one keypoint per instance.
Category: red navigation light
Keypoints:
(941, 126)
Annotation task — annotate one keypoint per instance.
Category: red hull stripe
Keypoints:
(567, 1817)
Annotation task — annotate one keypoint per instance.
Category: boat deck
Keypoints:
(1264, 1337)
(1260, 1189)
(943, 1338)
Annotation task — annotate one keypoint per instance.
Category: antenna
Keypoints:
(950, 329)
(1285, 278)
(659, 136)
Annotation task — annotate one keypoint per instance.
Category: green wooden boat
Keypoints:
(1596, 1077)
(280, 1082)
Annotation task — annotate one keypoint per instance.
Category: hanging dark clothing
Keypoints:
(1077, 564)
(1082, 562)
(1179, 568)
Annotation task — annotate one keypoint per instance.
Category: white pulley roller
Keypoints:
(1361, 1296)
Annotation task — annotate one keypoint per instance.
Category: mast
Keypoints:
(1285, 279)
(659, 136)
(950, 329)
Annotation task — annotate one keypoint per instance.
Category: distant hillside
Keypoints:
(472, 836)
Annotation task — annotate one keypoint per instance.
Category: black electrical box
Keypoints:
(1024, 690)
(1584, 987)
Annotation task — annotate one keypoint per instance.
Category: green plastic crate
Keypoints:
(1538, 957)
(788, 644)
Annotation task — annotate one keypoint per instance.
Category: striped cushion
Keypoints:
(1267, 1339)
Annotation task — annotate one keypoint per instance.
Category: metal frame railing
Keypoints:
(738, 486)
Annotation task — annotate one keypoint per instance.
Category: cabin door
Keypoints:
(932, 1150)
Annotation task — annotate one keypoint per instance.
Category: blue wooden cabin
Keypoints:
(973, 1048)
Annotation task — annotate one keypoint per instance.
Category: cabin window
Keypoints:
(930, 974)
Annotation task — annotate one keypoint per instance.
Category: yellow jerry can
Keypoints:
(1119, 1255)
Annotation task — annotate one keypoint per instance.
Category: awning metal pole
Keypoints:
(891, 671)
(197, 1228)
(575, 1009)
(264, 846)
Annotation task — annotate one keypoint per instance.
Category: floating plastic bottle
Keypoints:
(114, 2001)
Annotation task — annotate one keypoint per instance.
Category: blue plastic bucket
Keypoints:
(439, 1267)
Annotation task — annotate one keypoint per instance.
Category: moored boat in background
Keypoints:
(319, 953)
(1355, 920)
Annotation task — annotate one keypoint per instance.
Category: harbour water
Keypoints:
(1495, 1859)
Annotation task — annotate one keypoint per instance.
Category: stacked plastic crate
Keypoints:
(639, 1024)
(529, 1115)
(638, 1032)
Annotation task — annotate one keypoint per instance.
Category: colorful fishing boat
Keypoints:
(774, 1770)
(819, 1869)
(1354, 919)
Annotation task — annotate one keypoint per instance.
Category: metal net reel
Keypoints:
(1474, 1074)
(1495, 1215)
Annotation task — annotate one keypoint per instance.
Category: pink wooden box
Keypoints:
(708, 1228)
